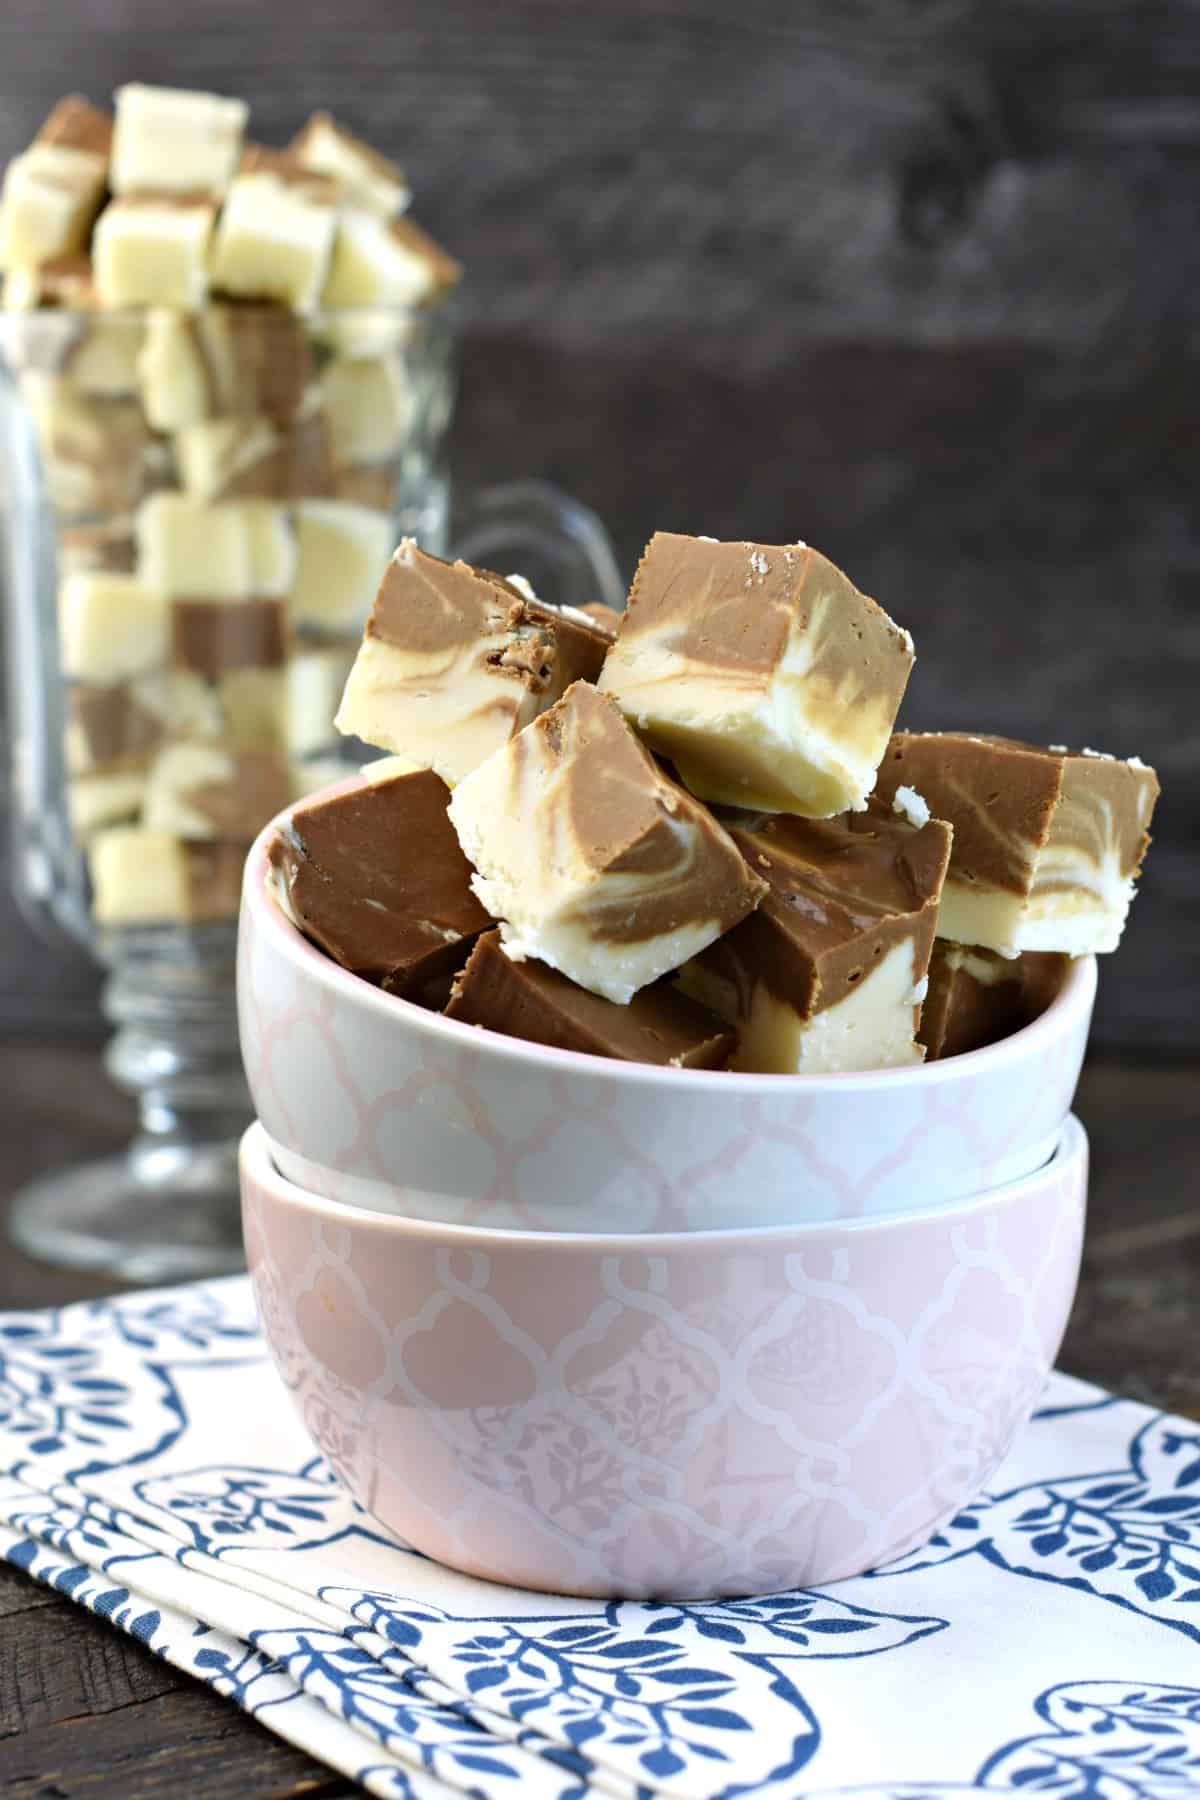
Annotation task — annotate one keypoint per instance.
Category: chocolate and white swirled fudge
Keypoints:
(976, 997)
(591, 858)
(829, 973)
(1048, 843)
(761, 671)
(455, 660)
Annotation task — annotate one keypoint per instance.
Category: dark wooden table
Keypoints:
(85, 1711)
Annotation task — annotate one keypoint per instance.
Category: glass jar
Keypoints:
(196, 512)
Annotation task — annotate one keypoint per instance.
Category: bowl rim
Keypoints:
(1074, 1000)
(256, 1164)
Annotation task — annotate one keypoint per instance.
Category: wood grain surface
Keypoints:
(86, 1714)
(920, 284)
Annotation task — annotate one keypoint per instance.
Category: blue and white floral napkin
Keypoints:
(1047, 1641)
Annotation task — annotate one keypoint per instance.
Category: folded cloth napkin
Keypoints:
(1048, 1639)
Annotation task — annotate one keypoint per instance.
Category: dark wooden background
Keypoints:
(917, 283)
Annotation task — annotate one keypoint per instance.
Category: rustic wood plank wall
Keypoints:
(918, 283)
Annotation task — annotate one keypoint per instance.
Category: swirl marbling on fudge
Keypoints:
(593, 860)
(454, 661)
(761, 671)
(1047, 843)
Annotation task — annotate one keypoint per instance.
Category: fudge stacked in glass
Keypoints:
(687, 834)
(225, 351)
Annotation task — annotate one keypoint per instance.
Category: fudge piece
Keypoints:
(368, 403)
(528, 1000)
(375, 877)
(141, 876)
(97, 455)
(103, 358)
(368, 484)
(214, 874)
(1047, 844)
(52, 191)
(118, 725)
(215, 637)
(591, 858)
(454, 661)
(339, 551)
(152, 250)
(111, 627)
(830, 972)
(199, 790)
(386, 262)
(171, 141)
(607, 617)
(108, 546)
(288, 707)
(240, 359)
(96, 801)
(976, 996)
(188, 548)
(73, 123)
(270, 544)
(222, 459)
(367, 179)
(276, 231)
(761, 671)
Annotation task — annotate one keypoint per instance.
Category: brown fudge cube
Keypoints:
(375, 877)
(532, 1001)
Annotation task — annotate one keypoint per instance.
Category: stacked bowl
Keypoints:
(607, 1329)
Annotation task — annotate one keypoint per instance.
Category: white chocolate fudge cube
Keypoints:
(592, 860)
(111, 626)
(139, 876)
(172, 378)
(103, 362)
(368, 402)
(275, 236)
(341, 549)
(152, 250)
(170, 140)
(381, 262)
(761, 671)
(186, 548)
(315, 679)
(369, 180)
(94, 801)
(454, 661)
(47, 204)
(271, 546)
(290, 708)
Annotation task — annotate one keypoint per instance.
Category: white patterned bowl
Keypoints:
(689, 1416)
(373, 1101)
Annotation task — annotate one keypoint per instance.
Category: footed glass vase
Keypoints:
(187, 565)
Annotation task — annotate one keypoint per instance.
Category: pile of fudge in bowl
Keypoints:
(665, 1179)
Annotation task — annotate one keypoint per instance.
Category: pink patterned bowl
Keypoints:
(687, 1416)
(370, 1100)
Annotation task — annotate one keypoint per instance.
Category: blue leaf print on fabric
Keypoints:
(664, 1688)
(50, 1392)
(1130, 1536)
(1107, 1738)
(227, 1507)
